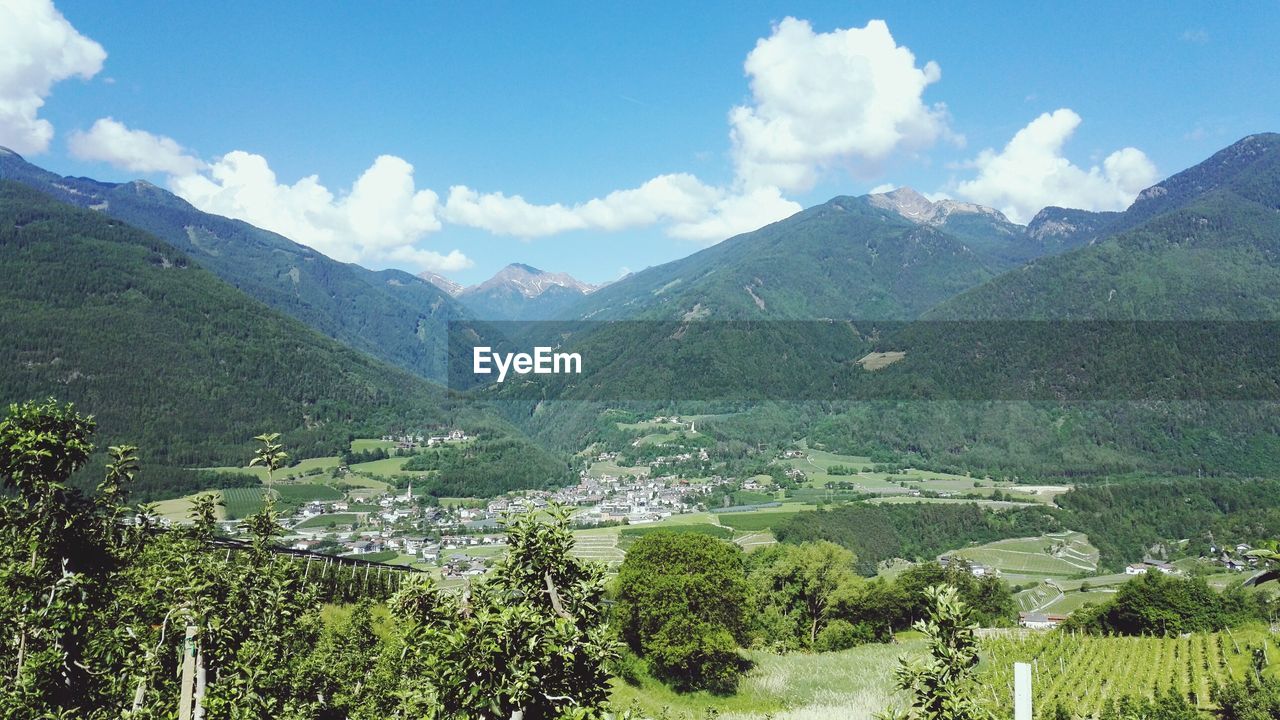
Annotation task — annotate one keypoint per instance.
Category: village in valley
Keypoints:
(662, 474)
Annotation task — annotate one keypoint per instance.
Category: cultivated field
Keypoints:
(762, 519)
(362, 444)
(1058, 555)
(1060, 596)
(326, 465)
(816, 465)
(609, 544)
(1084, 673)
(179, 509)
(386, 468)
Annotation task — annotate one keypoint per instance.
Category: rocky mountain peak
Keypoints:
(442, 282)
(530, 282)
(919, 209)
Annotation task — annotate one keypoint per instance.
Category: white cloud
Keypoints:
(112, 142)
(38, 48)
(1031, 172)
(690, 209)
(379, 221)
(883, 188)
(846, 98)
(666, 198)
(738, 213)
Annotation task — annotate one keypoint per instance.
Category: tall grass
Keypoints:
(853, 684)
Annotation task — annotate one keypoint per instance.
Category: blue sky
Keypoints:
(563, 103)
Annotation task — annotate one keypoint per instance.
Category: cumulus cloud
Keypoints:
(849, 98)
(738, 213)
(112, 142)
(690, 209)
(1031, 172)
(679, 198)
(380, 220)
(38, 48)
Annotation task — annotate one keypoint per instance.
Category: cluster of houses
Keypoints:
(975, 569)
(679, 458)
(1149, 565)
(1237, 561)
(397, 522)
(416, 442)
(609, 498)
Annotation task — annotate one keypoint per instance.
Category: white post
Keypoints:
(1021, 691)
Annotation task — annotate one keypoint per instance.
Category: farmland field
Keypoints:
(1084, 672)
(1061, 596)
(242, 502)
(299, 494)
(1060, 555)
(598, 544)
(325, 464)
(608, 467)
(992, 504)
(817, 463)
(362, 444)
(179, 509)
(762, 519)
(651, 426)
(629, 535)
(386, 468)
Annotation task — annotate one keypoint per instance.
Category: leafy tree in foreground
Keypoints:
(58, 552)
(93, 611)
(941, 685)
(529, 642)
(682, 599)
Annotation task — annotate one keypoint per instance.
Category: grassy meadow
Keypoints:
(854, 684)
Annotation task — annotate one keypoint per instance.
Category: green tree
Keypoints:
(59, 646)
(531, 641)
(941, 684)
(682, 602)
(804, 578)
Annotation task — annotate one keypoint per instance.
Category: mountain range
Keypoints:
(517, 292)
(1203, 245)
(888, 256)
(389, 314)
(190, 332)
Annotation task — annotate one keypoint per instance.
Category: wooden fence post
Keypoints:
(188, 674)
(202, 681)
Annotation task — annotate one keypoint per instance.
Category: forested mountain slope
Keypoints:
(173, 359)
(843, 259)
(389, 314)
(1204, 244)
